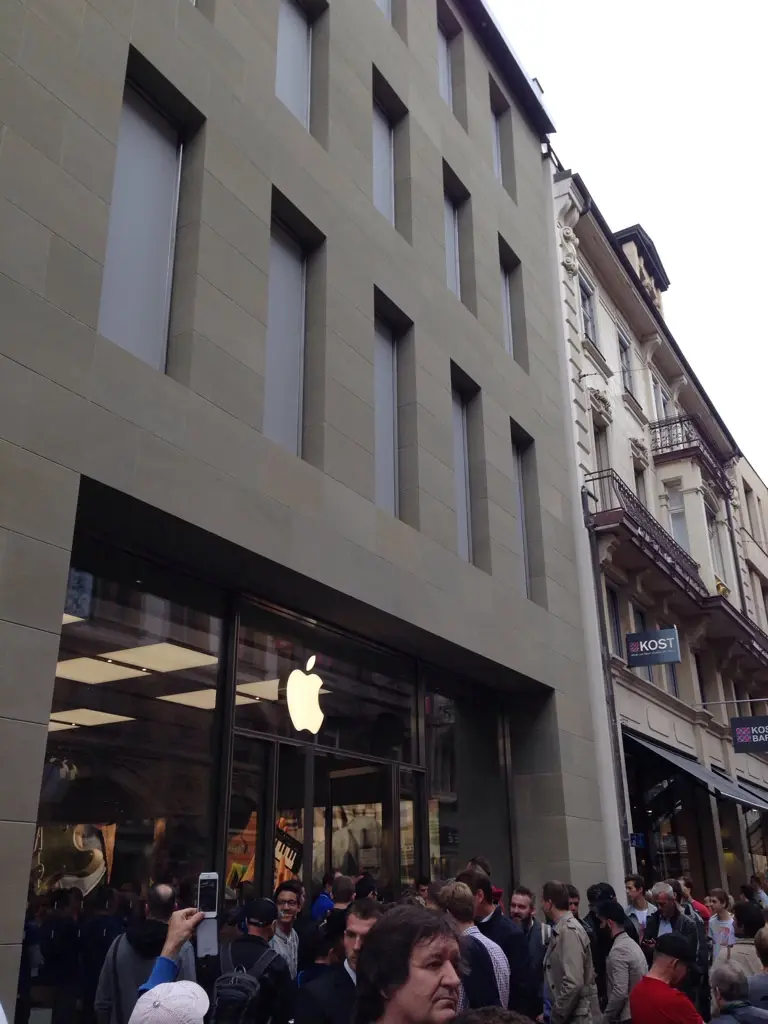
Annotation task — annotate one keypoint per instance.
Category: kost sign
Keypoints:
(654, 647)
(750, 735)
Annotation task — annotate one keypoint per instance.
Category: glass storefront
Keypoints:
(194, 729)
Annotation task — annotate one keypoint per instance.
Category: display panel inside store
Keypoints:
(125, 795)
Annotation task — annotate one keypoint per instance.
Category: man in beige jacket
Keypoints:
(625, 965)
(568, 968)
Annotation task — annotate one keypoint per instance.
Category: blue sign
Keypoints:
(654, 647)
(637, 840)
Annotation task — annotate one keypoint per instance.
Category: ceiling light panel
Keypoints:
(203, 699)
(88, 717)
(163, 657)
(67, 620)
(59, 726)
(94, 671)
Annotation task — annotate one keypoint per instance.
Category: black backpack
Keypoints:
(237, 994)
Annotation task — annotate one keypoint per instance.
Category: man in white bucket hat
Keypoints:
(175, 1002)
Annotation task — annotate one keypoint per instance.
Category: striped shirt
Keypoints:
(498, 960)
(288, 948)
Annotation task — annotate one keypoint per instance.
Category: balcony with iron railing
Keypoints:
(615, 504)
(684, 437)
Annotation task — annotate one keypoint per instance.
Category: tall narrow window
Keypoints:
(670, 675)
(461, 476)
(507, 310)
(294, 48)
(678, 525)
(588, 311)
(662, 401)
(452, 263)
(602, 458)
(625, 358)
(385, 417)
(286, 328)
(640, 485)
(445, 65)
(138, 269)
(498, 166)
(641, 626)
(700, 678)
(518, 469)
(383, 164)
(715, 545)
(614, 622)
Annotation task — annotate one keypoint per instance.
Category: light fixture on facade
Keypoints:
(162, 657)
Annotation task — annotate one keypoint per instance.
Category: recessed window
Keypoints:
(462, 492)
(639, 473)
(452, 257)
(294, 49)
(641, 626)
(588, 321)
(286, 330)
(663, 405)
(625, 359)
(138, 268)
(614, 622)
(502, 138)
(385, 417)
(678, 525)
(383, 164)
(715, 542)
(445, 66)
(520, 451)
(390, 153)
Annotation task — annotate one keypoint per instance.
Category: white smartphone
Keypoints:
(208, 893)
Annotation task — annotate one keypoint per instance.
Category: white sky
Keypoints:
(662, 107)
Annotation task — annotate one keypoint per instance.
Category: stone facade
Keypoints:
(188, 442)
(678, 522)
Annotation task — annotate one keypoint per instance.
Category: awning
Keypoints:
(714, 783)
(754, 790)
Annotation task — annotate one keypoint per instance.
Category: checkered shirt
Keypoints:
(499, 962)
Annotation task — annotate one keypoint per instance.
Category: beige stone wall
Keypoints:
(189, 442)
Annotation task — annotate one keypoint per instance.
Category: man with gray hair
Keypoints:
(730, 994)
(670, 921)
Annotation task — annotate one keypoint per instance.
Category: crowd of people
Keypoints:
(450, 950)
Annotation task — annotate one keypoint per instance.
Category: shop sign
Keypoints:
(750, 734)
(654, 647)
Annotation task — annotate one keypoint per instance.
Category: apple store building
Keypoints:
(210, 713)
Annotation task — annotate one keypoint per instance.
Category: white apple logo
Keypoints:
(303, 699)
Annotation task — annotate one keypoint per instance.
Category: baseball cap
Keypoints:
(260, 913)
(176, 1002)
(676, 946)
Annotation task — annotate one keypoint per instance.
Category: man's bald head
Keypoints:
(161, 903)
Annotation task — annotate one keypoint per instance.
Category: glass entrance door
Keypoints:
(353, 819)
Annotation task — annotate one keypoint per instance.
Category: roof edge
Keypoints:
(593, 209)
(490, 33)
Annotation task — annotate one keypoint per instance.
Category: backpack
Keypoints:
(237, 994)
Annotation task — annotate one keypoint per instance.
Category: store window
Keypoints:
(464, 763)
(126, 790)
(298, 680)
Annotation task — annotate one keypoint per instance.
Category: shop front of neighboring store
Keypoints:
(678, 807)
(195, 728)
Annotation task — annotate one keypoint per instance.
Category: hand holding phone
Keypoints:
(208, 893)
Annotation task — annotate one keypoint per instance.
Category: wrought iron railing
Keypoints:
(683, 433)
(612, 494)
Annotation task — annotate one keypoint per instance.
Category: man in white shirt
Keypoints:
(638, 908)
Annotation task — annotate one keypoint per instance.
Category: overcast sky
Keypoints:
(662, 107)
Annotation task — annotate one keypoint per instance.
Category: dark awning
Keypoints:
(714, 783)
(755, 790)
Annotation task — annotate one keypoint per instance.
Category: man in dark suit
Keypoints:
(330, 998)
(505, 933)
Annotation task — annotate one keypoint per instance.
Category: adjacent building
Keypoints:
(287, 558)
(677, 539)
